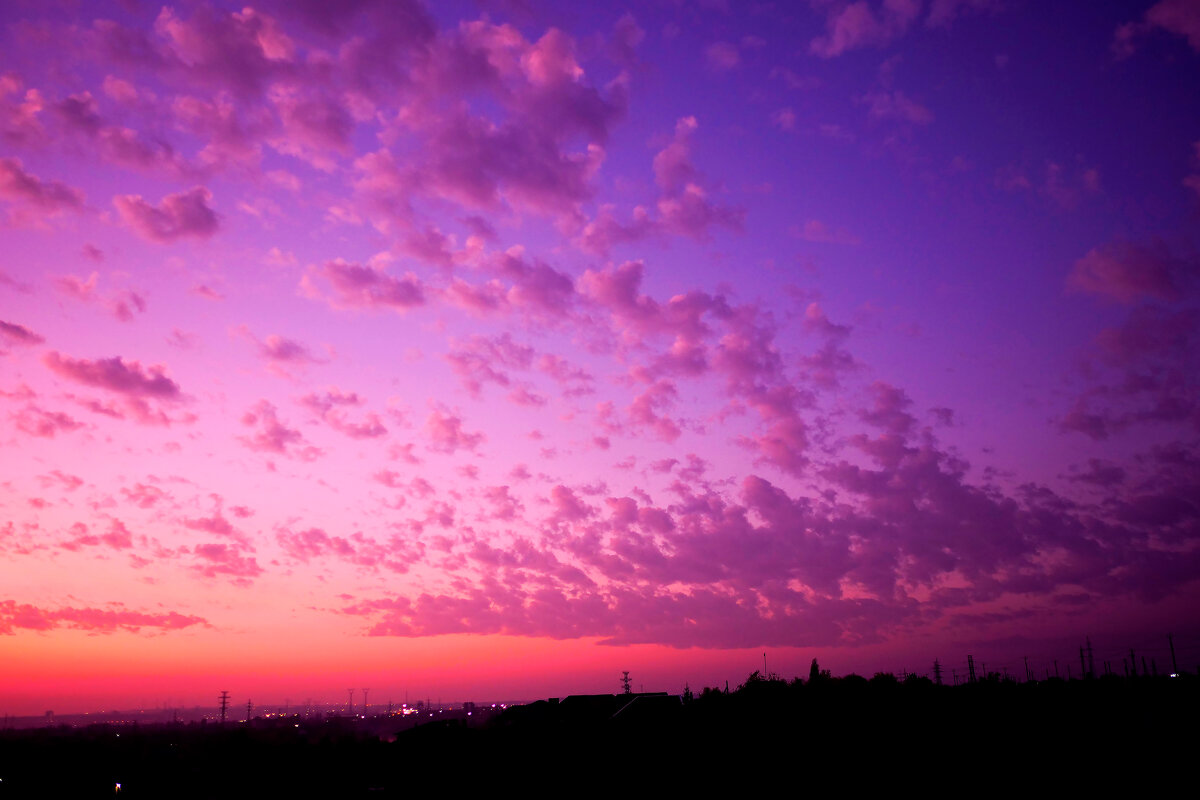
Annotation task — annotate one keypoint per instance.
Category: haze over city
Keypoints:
(485, 350)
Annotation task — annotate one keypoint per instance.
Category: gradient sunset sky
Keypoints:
(485, 350)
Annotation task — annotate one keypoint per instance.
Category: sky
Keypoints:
(486, 350)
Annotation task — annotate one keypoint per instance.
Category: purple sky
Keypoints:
(491, 348)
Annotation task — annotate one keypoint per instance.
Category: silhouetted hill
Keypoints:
(827, 734)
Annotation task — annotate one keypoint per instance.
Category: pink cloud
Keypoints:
(645, 410)
(358, 549)
(673, 168)
(207, 292)
(239, 50)
(816, 231)
(215, 524)
(566, 505)
(68, 482)
(446, 432)
(536, 286)
(116, 375)
(322, 403)
(1140, 375)
(520, 161)
(1193, 181)
(1180, 17)
(890, 410)
(233, 136)
(784, 119)
(682, 208)
(476, 299)
(118, 537)
(143, 495)
(278, 348)
(20, 186)
(906, 520)
(76, 287)
(273, 436)
(216, 560)
(722, 56)
(478, 360)
(19, 123)
(357, 286)
(10, 282)
(123, 304)
(852, 26)
(14, 616)
(46, 424)
(1149, 334)
(15, 333)
(887, 104)
(126, 304)
(942, 13)
(1127, 272)
(429, 245)
(370, 427)
(625, 38)
(504, 505)
(80, 117)
(313, 126)
(181, 215)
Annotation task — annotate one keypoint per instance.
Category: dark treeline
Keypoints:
(826, 734)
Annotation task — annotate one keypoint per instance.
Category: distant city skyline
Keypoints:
(493, 349)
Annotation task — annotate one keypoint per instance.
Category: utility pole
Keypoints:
(1028, 674)
(1174, 665)
(224, 705)
(350, 693)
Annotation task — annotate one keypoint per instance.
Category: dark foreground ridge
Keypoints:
(845, 735)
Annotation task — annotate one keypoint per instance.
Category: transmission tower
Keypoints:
(351, 694)
(224, 705)
(365, 701)
(249, 711)
(971, 669)
(937, 672)
(625, 682)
